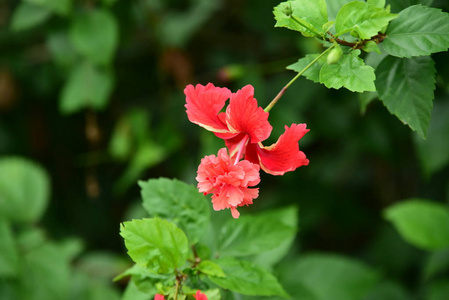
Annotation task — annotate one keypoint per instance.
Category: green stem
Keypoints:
(300, 22)
(279, 95)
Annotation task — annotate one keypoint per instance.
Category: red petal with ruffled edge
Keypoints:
(244, 115)
(203, 104)
(284, 155)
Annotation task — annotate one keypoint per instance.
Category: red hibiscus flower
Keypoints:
(159, 297)
(200, 296)
(228, 182)
(244, 126)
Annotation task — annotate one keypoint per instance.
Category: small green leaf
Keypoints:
(305, 16)
(349, 72)
(363, 18)
(313, 72)
(325, 276)
(248, 279)
(24, 190)
(371, 46)
(86, 87)
(178, 202)
(250, 235)
(133, 293)
(27, 15)
(405, 86)
(210, 268)
(95, 35)
(9, 260)
(418, 31)
(60, 7)
(422, 223)
(155, 244)
(433, 152)
(62, 49)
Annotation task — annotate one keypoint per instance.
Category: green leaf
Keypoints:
(95, 35)
(405, 86)
(248, 279)
(399, 5)
(313, 72)
(349, 72)
(250, 235)
(388, 290)
(9, 260)
(422, 223)
(60, 7)
(334, 6)
(438, 290)
(178, 202)
(133, 293)
(363, 18)
(210, 268)
(289, 217)
(436, 263)
(62, 49)
(27, 15)
(46, 274)
(433, 152)
(86, 87)
(325, 276)
(418, 31)
(305, 16)
(155, 244)
(377, 3)
(24, 190)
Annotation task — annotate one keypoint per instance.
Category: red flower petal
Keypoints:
(159, 297)
(203, 104)
(244, 115)
(200, 296)
(284, 155)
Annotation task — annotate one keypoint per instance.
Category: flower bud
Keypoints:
(334, 55)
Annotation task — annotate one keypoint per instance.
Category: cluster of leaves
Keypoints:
(32, 266)
(180, 249)
(403, 75)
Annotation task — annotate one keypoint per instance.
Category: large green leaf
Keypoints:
(87, 87)
(405, 86)
(8, 253)
(422, 223)
(95, 35)
(178, 202)
(418, 31)
(305, 16)
(24, 190)
(247, 278)
(155, 244)
(60, 7)
(253, 235)
(289, 217)
(313, 72)
(349, 72)
(325, 276)
(28, 15)
(362, 18)
(434, 151)
(398, 5)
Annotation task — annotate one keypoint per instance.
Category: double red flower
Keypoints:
(243, 126)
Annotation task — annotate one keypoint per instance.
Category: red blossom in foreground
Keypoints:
(200, 296)
(244, 126)
(159, 297)
(228, 182)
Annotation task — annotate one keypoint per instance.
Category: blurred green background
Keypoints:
(92, 91)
